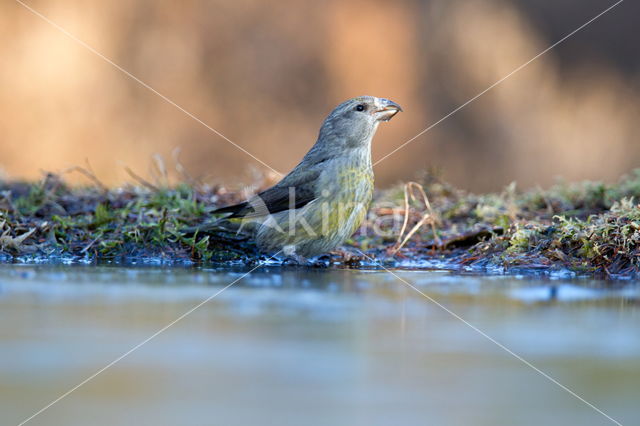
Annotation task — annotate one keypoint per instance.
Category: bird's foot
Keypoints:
(295, 260)
(291, 257)
(345, 256)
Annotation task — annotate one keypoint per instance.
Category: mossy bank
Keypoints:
(589, 228)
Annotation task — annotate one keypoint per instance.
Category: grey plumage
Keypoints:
(324, 199)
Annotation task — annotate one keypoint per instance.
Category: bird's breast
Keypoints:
(348, 178)
(346, 189)
(343, 191)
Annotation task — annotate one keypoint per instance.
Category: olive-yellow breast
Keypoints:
(325, 198)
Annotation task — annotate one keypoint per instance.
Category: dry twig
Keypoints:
(427, 217)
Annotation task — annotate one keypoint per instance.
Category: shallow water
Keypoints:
(314, 347)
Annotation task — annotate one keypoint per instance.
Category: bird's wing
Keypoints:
(296, 189)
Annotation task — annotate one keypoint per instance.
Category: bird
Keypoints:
(324, 199)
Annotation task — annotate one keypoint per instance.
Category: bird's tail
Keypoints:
(219, 226)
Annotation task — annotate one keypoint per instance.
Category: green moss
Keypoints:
(28, 205)
(585, 226)
(102, 215)
(521, 240)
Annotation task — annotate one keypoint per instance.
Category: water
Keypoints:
(314, 347)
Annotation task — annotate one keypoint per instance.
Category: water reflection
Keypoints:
(305, 346)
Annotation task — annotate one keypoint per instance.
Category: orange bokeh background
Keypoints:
(265, 74)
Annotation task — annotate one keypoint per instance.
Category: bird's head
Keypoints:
(355, 121)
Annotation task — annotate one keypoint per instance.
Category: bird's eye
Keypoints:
(360, 107)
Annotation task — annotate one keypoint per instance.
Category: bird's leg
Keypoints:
(344, 255)
(292, 257)
(295, 259)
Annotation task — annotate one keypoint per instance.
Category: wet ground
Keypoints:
(315, 347)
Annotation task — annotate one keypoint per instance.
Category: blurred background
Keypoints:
(265, 74)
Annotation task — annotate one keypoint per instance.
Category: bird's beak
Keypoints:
(386, 109)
